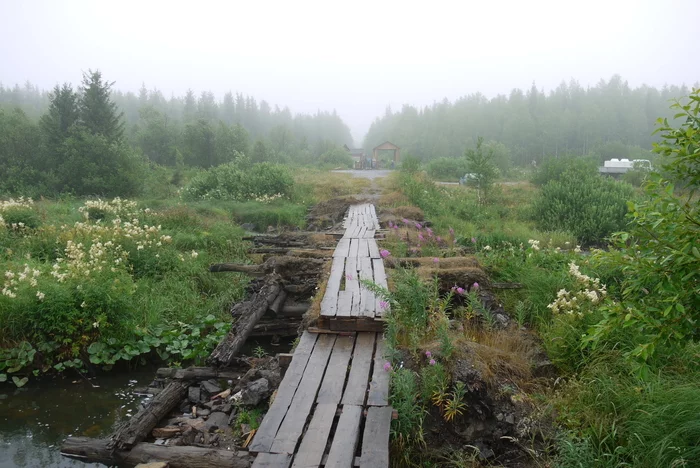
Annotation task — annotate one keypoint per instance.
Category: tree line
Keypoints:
(53, 141)
(608, 120)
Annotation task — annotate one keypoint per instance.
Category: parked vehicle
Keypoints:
(615, 167)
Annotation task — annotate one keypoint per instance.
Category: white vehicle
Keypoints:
(621, 166)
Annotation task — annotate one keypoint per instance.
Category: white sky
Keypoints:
(355, 57)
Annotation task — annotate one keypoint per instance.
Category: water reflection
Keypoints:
(35, 420)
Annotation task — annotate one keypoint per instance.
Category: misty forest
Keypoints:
(535, 277)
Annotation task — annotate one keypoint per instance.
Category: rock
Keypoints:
(217, 420)
(152, 465)
(166, 432)
(255, 392)
(484, 451)
(544, 368)
(203, 412)
(194, 394)
(510, 419)
(210, 386)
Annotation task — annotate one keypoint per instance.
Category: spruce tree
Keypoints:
(99, 115)
(58, 120)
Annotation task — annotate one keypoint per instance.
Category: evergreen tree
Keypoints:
(59, 119)
(99, 115)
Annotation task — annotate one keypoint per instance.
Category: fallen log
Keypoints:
(90, 450)
(138, 427)
(196, 373)
(278, 303)
(249, 314)
(287, 266)
(280, 327)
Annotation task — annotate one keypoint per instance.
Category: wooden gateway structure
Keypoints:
(388, 146)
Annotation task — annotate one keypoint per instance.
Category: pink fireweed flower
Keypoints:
(421, 238)
(405, 221)
(383, 304)
(460, 291)
(475, 286)
(428, 354)
(436, 260)
(396, 226)
(387, 366)
(473, 240)
(432, 362)
(438, 238)
(418, 226)
(391, 225)
(429, 231)
(384, 253)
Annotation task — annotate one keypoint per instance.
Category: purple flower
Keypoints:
(421, 238)
(405, 221)
(432, 362)
(436, 260)
(383, 304)
(387, 366)
(429, 231)
(384, 253)
(428, 354)
(460, 291)
(391, 225)
(396, 226)
(418, 226)
(475, 286)
(452, 232)
(438, 238)
(473, 240)
(454, 241)
(348, 277)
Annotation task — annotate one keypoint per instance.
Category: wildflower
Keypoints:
(83, 305)
(577, 249)
(421, 238)
(429, 231)
(436, 260)
(387, 366)
(428, 354)
(194, 254)
(475, 286)
(96, 324)
(432, 362)
(391, 225)
(383, 304)
(438, 239)
(460, 291)
(473, 240)
(418, 226)
(40, 295)
(384, 253)
(487, 248)
(405, 221)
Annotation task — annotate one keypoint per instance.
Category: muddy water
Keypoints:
(35, 419)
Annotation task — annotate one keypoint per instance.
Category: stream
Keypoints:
(35, 419)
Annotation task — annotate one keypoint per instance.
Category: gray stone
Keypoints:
(216, 420)
(510, 419)
(203, 412)
(211, 387)
(254, 392)
(194, 394)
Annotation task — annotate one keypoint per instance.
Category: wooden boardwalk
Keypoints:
(332, 406)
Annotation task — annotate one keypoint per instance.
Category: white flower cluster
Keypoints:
(20, 202)
(118, 207)
(265, 198)
(570, 302)
(13, 280)
(535, 244)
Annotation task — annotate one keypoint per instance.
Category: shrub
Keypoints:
(233, 182)
(447, 169)
(554, 169)
(336, 157)
(589, 206)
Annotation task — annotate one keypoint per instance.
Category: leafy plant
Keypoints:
(259, 352)
(454, 406)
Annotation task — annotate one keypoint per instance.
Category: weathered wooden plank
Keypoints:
(370, 232)
(354, 247)
(333, 382)
(379, 386)
(329, 302)
(362, 232)
(380, 280)
(300, 408)
(342, 249)
(367, 299)
(347, 433)
(358, 380)
(272, 460)
(313, 444)
(363, 248)
(268, 428)
(344, 303)
(373, 248)
(352, 282)
(375, 439)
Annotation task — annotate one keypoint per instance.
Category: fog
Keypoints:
(357, 58)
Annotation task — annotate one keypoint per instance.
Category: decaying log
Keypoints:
(248, 316)
(98, 451)
(286, 266)
(196, 373)
(280, 327)
(276, 306)
(138, 427)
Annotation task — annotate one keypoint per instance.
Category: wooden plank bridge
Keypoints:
(332, 406)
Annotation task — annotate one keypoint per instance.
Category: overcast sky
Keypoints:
(355, 57)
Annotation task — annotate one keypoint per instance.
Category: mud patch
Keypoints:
(329, 213)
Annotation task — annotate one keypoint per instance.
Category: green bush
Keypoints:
(447, 169)
(589, 206)
(336, 157)
(555, 169)
(234, 182)
(21, 216)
